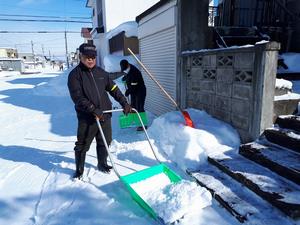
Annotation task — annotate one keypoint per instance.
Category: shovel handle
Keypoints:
(105, 142)
(152, 77)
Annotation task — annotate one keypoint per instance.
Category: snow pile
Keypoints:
(283, 84)
(112, 62)
(171, 201)
(189, 147)
(288, 96)
(130, 28)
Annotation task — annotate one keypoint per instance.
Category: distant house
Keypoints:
(30, 60)
(9, 60)
(86, 34)
(8, 52)
(107, 15)
(11, 64)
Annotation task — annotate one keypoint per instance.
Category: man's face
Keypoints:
(88, 61)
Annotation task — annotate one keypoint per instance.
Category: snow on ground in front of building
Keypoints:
(37, 159)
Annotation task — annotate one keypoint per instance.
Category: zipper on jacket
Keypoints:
(97, 90)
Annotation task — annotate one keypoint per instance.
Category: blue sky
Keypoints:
(53, 42)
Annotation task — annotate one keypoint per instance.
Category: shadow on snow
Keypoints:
(60, 108)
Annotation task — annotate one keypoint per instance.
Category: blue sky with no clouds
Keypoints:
(53, 42)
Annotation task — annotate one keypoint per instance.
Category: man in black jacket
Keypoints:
(88, 86)
(135, 86)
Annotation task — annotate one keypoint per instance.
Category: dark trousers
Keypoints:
(87, 131)
(138, 101)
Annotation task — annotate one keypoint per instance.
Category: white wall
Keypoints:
(157, 35)
(120, 11)
(115, 12)
(3, 53)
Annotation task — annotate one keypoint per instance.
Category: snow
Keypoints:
(130, 29)
(222, 49)
(38, 132)
(283, 84)
(287, 96)
(189, 147)
(37, 161)
(172, 200)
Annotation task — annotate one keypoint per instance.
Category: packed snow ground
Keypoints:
(37, 160)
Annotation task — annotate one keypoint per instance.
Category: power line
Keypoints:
(44, 32)
(51, 21)
(38, 16)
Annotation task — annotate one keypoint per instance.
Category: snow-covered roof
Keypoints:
(10, 59)
(130, 29)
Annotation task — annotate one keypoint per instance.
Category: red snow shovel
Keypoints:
(186, 116)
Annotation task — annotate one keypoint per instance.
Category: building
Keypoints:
(164, 31)
(107, 15)
(9, 60)
(279, 20)
(8, 52)
(197, 69)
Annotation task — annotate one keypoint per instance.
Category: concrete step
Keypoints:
(240, 202)
(283, 162)
(280, 192)
(287, 138)
(289, 122)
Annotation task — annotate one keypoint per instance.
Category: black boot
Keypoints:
(102, 160)
(79, 161)
(103, 166)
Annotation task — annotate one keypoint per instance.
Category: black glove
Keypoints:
(99, 114)
(127, 93)
(127, 109)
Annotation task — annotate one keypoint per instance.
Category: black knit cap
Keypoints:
(88, 49)
(123, 64)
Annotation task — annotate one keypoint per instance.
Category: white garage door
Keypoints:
(158, 54)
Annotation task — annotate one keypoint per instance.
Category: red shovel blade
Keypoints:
(188, 120)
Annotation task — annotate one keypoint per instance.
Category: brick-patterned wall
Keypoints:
(228, 83)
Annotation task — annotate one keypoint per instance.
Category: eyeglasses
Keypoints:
(89, 57)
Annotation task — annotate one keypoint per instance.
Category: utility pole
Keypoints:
(33, 54)
(66, 44)
(43, 50)
(43, 55)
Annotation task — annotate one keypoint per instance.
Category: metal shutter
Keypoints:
(158, 54)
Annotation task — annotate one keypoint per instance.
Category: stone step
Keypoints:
(283, 162)
(283, 137)
(280, 192)
(239, 201)
(290, 122)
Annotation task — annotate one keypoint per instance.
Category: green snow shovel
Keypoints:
(141, 175)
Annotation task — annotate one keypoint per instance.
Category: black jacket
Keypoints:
(135, 82)
(90, 99)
